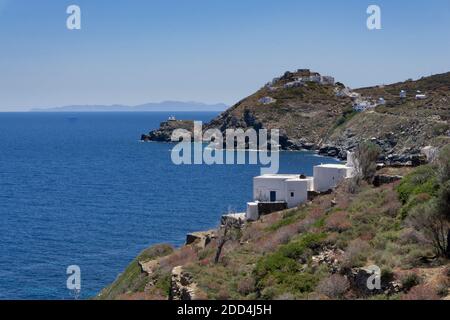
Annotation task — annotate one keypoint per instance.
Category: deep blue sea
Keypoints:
(81, 189)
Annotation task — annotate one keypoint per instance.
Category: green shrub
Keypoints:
(285, 258)
(387, 275)
(289, 218)
(410, 280)
(414, 201)
(163, 282)
(440, 129)
(346, 116)
(133, 279)
(443, 201)
(444, 164)
(422, 180)
(303, 282)
(366, 155)
(283, 269)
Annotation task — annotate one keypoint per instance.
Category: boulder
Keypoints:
(149, 267)
(329, 257)
(201, 239)
(430, 153)
(359, 277)
(330, 151)
(385, 179)
(181, 285)
(236, 220)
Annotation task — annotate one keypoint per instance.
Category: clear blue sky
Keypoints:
(132, 52)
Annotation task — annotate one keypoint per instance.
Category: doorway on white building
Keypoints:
(273, 196)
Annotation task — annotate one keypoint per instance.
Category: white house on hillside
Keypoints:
(403, 94)
(327, 80)
(267, 100)
(329, 176)
(421, 96)
(292, 189)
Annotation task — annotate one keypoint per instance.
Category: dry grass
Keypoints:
(334, 286)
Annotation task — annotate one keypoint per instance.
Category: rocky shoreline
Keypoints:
(414, 157)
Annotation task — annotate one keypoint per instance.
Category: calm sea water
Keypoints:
(80, 189)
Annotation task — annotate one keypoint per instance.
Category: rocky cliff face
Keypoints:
(181, 285)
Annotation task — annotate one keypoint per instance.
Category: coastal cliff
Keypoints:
(315, 113)
(324, 249)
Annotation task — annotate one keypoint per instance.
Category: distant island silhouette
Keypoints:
(170, 106)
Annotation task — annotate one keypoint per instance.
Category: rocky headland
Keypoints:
(316, 113)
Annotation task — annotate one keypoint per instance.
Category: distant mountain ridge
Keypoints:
(170, 106)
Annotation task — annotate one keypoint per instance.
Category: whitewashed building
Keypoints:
(290, 188)
(421, 96)
(361, 106)
(329, 176)
(267, 100)
(293, 84)
(327, 80)
(315, 78)
(403, 94)
(252, 213)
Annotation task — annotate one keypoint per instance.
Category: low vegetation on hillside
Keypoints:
(322, 249)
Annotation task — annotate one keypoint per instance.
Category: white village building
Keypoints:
(361, 106)
(329, 176)
(267, 100)
(315, 78)
(293, 84)
(289, 188)
(327, 80)
(403, 94)
(421, 96)
(292, 189)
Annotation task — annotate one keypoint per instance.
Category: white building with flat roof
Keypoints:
(290, 188)
(327, 80)
(267, 100)
(329, 176)
(421, 96)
